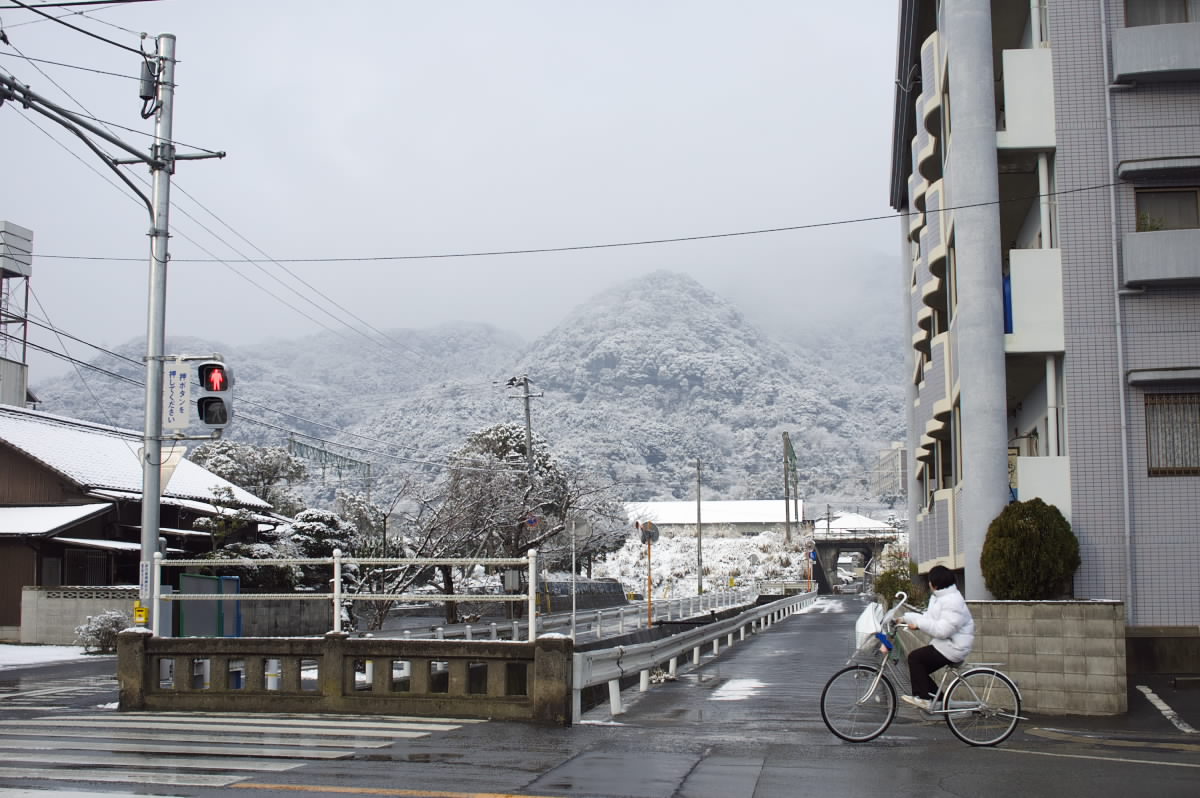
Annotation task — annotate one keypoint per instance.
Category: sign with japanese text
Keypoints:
(177, 379)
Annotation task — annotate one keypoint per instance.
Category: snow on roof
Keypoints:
(754, 511)
(98, 456)
(851, 522)
(108, 545)
(43, 520)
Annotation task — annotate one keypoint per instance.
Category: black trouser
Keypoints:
(922, 662)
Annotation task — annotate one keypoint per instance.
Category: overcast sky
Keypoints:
(383, 128)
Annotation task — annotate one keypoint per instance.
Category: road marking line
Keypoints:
(251, 747)
(202, 720)
(20, 793)
(1167, 712)
(282, 741)
(1101, 758)
(1096, 739)
(134, 776)
(150, 725)
(182, 761)
(43, 691)
(324, 718)
(250, 785)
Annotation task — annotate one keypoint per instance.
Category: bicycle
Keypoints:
(981, 705)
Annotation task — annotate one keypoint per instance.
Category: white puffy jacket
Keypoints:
(948, 621)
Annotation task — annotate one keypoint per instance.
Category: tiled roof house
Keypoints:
(70, 506)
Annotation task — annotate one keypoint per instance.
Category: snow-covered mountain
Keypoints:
(636, 385)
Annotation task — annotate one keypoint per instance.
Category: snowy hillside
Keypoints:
(637, 384)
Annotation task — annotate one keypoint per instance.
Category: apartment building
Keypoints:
(1046, 167)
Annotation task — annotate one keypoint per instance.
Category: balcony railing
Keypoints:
(1156, 53)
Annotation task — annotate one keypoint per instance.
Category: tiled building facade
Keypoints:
(1046, 164)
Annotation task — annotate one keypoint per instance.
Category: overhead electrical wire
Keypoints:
(242, 417)
(47, 325)
(82, 69)
(402, 350)
(84, 31)
(76, 4)
(82, 379)
(613, 245)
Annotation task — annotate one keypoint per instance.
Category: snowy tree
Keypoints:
(265, 471)
(490, 490)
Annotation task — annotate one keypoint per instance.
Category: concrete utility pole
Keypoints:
(162, 165)
(699, 537)
(523, 383)
(787, 503)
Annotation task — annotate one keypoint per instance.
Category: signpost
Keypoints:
(649, 536)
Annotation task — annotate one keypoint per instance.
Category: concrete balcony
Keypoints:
(931, 84)
(1037, 301)
(1156, 53)
(933, 238)
(917, 186)
(1163, 258)
(1028, 93)
(1045, 478)
(933, 293)
(929, 154)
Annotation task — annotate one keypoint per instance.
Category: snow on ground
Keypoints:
(19, 656)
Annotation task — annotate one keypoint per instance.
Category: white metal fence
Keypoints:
(338, 595)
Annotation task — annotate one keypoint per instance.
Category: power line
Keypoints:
(251, 419)
(68, 4)
(403, 350)
(82, 69)
(296, 277)
(614, 245)
(84, 31)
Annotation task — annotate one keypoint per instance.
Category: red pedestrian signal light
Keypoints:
(214, 404)
(214, 378)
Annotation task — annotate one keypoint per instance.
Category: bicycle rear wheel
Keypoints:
(855, 706)
(982, 707)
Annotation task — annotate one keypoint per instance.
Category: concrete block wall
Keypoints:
(286, 618)
(49, 615)
(1067, 657)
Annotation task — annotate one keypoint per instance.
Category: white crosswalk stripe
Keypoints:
(50, 697)
(184, 749)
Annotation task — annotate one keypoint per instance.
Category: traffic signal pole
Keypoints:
(162, 165)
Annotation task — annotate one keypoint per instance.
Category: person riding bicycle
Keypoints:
(948, 621)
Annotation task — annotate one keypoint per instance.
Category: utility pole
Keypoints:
(787, 499)
(699, 537)
(523, 383)
(162, 165)
(158, 95)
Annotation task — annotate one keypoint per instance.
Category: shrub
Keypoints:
(1030, 553)
(99, 634)
(901, 575)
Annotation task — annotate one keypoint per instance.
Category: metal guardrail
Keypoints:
(609, 666)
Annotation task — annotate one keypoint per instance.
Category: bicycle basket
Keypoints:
(870, 621)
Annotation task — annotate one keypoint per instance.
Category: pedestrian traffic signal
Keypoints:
(214, 402)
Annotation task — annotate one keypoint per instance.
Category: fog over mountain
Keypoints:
(636, 385)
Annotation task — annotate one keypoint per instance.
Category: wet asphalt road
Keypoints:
(747, 723)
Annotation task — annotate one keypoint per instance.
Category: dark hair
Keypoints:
(940, 577)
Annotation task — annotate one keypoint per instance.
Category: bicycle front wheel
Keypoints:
(858, 703)
(982, 707)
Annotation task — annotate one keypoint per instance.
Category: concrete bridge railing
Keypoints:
(340, 674)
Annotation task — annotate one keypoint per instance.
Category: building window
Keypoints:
(1173, 434)
(1160, 12)
(85, 567)
(1168, 208)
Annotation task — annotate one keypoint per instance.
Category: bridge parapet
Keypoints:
(338, 674)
